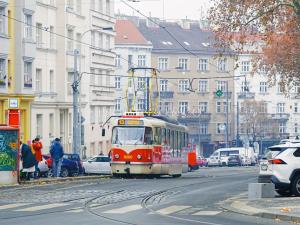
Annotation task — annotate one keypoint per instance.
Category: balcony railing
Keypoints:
(281, 116)
(246, 95)
(164, 94)
(194, 117)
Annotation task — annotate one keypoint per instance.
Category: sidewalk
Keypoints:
(51, 180)
(278, 208)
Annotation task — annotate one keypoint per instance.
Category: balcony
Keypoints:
(164, 94)
(281, 116)
(224, 94)
(246, 95)
(191, 118)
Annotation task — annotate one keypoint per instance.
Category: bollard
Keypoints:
(261, 190)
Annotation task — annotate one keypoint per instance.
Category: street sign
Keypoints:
(222, 127)
(219, 93)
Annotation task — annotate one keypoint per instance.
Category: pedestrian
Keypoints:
(28, 160)
(37, 148)
(56, 152)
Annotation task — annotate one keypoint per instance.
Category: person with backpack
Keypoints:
(57, 153)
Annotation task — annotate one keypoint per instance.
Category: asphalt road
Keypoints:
(194, 198)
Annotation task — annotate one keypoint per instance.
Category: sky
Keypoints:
(173, 9)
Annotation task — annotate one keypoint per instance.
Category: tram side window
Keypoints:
(148, 136)
(175, 143)
(169, 137)
(164, 136)
(172, 142)
(158, 136)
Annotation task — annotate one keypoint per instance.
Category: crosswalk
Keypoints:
(69, 208)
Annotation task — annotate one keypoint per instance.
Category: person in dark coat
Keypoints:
(57, 153)
(28, 160)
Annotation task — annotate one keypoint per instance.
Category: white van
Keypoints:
(220, 156)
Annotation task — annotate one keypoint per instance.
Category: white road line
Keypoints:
(172, 209)
(206, 213)
(123, 210)
(75, 211)
(11, 206)
(41, 207)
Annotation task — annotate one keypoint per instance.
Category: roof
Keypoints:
(128, 33)
(194, 39)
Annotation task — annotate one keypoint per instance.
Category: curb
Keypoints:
(236, 206)
(56, 180)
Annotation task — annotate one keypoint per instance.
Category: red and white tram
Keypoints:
(148, 145)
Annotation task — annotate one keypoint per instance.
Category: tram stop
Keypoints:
(9, 155)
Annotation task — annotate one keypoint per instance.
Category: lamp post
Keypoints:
(76, 95)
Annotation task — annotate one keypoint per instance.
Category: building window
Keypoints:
(282, 128)
(100, 40)
(218, 107)
(165, 107)
(245, 86)
(141, 105)
(107, 42)
(163, 64)
(39, 35)
(225, 107)
(70, 34)
(107, 78)
(141, 60)
(183, 85)
(203, 128)
(70, 4)
(263, 87)
(118, 105)
(245, 66)
(69, 83)
(93, 114)
(295, 107)
(51, 41)
(222, 65)
(296, 128)
(2, 73)
(280, 88)
(203, 86)
(183, 108)
(220, 128)
(183, 64)
(51, 74)
(163, 85)
(27, 74)
(264, 107)
(39, 125)
(99, 77)
(130, 63)
(118, 82)
(93, 38)
(118, 61)
(221, 85)
(203, 107)
(2, 20)
(280, 107)
(203, 65)
(141, 83)
(107, 7)
(78, 42)
(28, 26)
(38, 80)
(51, 125)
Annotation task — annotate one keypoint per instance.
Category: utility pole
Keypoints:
(227, 107)
(200, 133)
(237, 123)
(76, 130)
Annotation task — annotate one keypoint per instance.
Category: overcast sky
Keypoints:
(174, 9)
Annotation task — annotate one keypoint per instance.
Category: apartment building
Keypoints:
(63, 29)
(17, 60)
(190, 75)
(133, 51)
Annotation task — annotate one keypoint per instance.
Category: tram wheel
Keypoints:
(176, 175)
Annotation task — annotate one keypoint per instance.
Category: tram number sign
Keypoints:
(130, 122)
(127, 156)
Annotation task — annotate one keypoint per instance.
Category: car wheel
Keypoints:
(223, 163)
(296, 186)
(50, 173)
(75, 174)
(284, 192)
(64, 172)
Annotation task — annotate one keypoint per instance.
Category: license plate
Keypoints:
(264, 167)
(127, 156)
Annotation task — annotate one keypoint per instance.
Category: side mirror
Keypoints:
(103, 132)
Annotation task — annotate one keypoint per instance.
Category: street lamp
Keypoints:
(76, 93)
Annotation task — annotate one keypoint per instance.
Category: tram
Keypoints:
(150, 145)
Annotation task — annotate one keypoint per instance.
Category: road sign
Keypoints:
(219, 93)
(222, 127)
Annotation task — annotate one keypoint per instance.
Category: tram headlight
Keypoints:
(117, 156)
(139, 157)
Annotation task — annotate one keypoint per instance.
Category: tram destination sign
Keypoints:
(130, 122)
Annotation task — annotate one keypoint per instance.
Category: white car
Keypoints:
(43, 167)
(285, 168)
(97, 165)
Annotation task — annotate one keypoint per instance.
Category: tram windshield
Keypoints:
(132, 135)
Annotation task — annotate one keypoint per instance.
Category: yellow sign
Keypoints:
(121, 122)
(134, 122)
(127, 156)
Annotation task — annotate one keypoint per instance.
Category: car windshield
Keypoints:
(132, 135)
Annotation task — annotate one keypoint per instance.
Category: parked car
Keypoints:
(97, 165)
(68, 167)
(43, 168)
(76, 158)
(234, 160)
(285, 169)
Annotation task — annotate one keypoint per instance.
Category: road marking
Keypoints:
(76, 210)
(172, 209)
(206, 213)
(11, 206)
(124, 209)
(42, 207)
